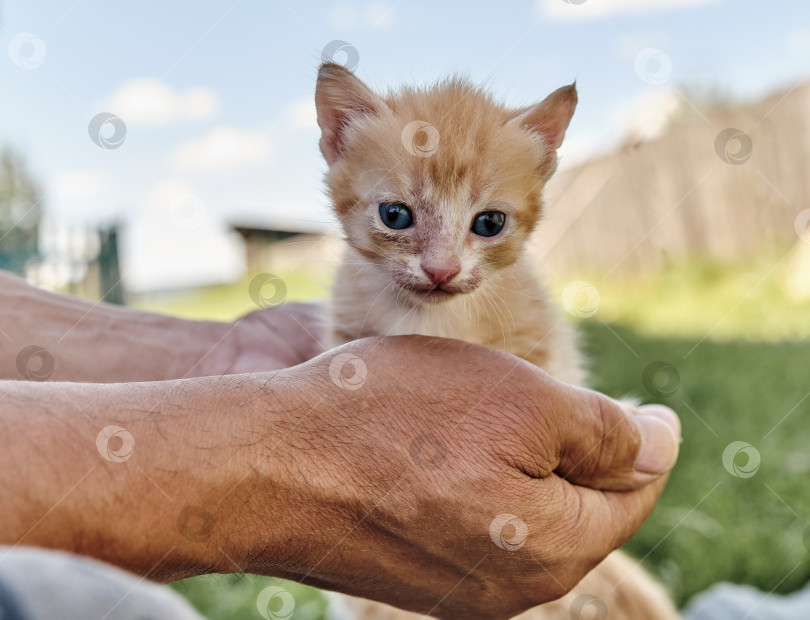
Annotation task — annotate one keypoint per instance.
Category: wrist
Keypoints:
(230, 477)
(228, 472)
(298, 502)
(272, 509)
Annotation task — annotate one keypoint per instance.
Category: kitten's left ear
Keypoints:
(340, 98)
(549, 118)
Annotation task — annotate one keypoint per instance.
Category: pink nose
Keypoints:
(440, 275)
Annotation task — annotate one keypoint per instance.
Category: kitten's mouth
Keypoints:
(433, 293)
(425, 292)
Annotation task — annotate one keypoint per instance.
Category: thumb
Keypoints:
(605, 444)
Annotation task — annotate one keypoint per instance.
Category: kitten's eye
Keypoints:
(396, 215)
(488, 223)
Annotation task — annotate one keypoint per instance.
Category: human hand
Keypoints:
(440, 476)
(265, 340)
(70, 337)
(454, 480)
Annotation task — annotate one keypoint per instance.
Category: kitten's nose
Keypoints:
(441, 274)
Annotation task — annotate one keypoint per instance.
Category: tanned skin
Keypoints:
(297, 477)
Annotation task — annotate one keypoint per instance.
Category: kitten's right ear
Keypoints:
(340, 98)
(549, 119)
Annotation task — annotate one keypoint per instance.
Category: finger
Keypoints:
(310, 319)
(605, 444)
(608, 519)
(300, 328)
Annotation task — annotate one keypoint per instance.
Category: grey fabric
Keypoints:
(37, 584)
(726, 601)
(10, 608)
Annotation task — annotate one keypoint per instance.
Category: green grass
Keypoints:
(226, 302)
(710, 526)
(225, 597)
(737, 344)
(707, 298)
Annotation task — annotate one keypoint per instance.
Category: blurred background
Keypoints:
(161, 155)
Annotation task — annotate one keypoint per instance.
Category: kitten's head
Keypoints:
(439, 187)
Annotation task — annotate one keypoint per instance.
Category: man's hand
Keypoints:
(431, 474)
(266, 340)
(47, 336)
(452, 480)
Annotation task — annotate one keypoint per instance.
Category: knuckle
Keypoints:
(618, 441)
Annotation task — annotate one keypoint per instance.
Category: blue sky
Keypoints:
(216, 96)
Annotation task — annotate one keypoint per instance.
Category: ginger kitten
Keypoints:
(437, 191)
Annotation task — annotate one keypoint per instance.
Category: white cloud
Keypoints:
(589, 9)
(649, 116)
(148, 101)
(301, 114)
(77, 186)
(223, 148)
(201, 104)
(349, 16)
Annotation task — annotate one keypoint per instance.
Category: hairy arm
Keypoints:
(153, 477)
(371, 469)
(46, 335)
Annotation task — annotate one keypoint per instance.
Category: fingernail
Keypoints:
(664, 414)
(660, 438)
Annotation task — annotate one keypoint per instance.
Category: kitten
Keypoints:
(437, 191)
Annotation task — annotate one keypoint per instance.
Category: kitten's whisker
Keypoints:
(505, 307)
(489, 314)
(490, 293)
(371, 307)
(526, 295)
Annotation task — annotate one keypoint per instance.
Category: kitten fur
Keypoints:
(475, 155)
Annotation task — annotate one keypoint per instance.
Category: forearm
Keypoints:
(178, 490)
(96, 342)
(383, 487)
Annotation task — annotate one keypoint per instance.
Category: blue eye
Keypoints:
(396, 215)
(488, 223)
